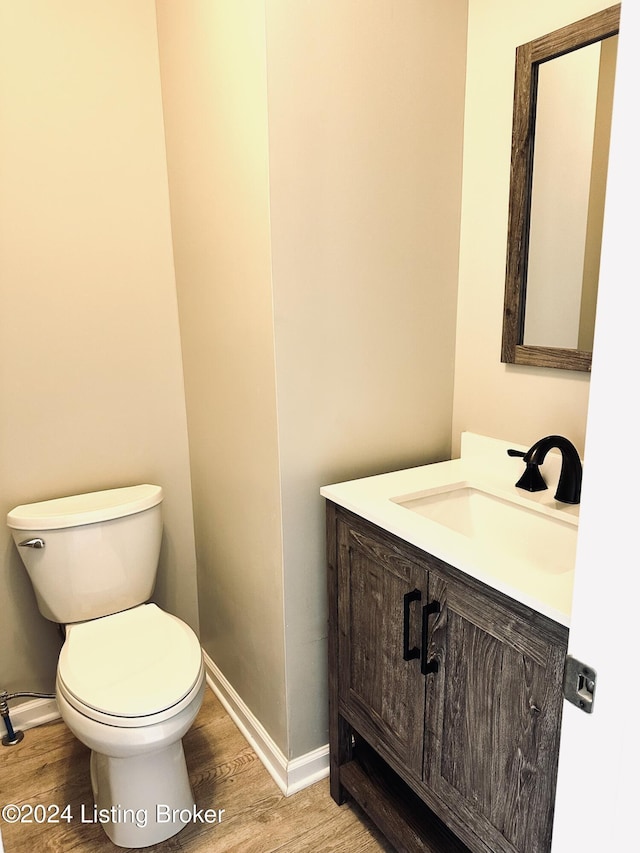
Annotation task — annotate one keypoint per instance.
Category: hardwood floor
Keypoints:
(51, 767)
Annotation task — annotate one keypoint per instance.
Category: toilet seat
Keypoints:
(133, 668)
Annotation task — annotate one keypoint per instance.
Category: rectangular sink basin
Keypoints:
(531, 537)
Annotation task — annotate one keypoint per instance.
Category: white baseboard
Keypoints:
(33, 713)
(289, 775)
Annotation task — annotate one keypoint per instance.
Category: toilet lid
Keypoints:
(131, 664)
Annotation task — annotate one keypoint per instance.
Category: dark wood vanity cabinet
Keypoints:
(445, 698)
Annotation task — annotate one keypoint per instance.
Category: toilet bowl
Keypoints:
(130, 677)
(129, 686)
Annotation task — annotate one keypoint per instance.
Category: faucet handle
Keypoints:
(512, 452)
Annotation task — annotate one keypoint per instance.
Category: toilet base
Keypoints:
(138, 799)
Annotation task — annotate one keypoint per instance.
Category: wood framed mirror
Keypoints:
(559, 158)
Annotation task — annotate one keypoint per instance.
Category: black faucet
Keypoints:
(570, 482)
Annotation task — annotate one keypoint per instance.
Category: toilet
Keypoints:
(130, 677)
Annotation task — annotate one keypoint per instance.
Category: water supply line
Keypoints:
(12, 736)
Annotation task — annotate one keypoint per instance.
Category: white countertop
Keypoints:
(484, 464)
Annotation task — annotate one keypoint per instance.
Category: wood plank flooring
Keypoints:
(51, 767)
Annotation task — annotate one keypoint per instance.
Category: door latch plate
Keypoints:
(579, 684)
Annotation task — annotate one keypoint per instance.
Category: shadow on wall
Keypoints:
(36, 651)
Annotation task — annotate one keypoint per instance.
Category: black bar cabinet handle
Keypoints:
(428, 666)
(407, 653)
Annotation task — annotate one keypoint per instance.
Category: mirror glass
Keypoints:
(562, 121)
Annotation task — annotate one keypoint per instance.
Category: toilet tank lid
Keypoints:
(89, 508)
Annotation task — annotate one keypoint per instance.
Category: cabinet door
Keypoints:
(493, 717)
(379, 614)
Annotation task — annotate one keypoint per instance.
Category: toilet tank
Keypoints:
(90, 555)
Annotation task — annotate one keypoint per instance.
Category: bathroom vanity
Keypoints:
(447, 648)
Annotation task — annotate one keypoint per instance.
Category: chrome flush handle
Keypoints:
(32, 543)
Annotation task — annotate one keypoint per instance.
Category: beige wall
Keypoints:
(214, 89)
(365, 130)
(90, 367)
(506, 401)
(314, 155)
